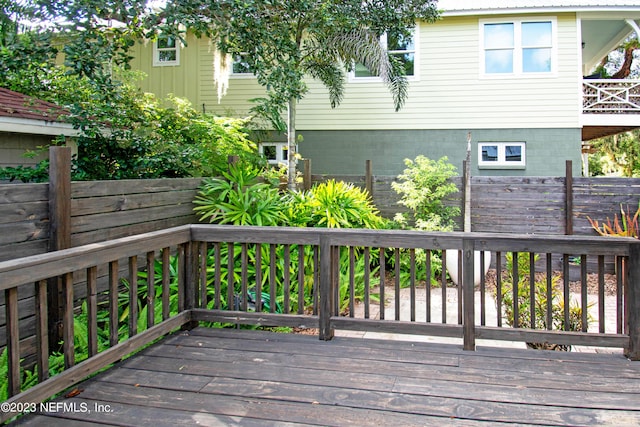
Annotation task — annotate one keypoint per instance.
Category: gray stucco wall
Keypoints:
(345, 152)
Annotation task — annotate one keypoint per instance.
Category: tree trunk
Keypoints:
(625, 69)
(291, 144)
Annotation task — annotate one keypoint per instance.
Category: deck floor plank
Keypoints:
(244, 377)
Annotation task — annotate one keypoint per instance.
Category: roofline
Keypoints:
(36, 127)
(546, 9)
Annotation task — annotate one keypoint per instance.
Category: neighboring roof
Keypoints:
(25, 114)
(491, 7)
(15, 104)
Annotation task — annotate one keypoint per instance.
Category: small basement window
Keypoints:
(501, 155)
(274, 152)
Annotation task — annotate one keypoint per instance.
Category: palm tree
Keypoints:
(327, 57)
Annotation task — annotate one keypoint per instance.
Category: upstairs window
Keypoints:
(401, 47)
(166, 51)
(518, 48)
(501, 155)
(241, 65)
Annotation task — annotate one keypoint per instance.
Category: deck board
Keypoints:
(244, 377)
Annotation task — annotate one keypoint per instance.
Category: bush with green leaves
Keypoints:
(123, 132)
(337, 204)
(423, 187)
(239, 199)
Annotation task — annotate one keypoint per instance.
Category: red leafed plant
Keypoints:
(626, 226)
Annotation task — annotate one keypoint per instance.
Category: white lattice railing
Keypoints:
(611, 96)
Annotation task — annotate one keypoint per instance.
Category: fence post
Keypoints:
(326, 292)
(633, 298)
(59, 234)
(307, 175)
(368, 177)
(568, 182)
(468, 322)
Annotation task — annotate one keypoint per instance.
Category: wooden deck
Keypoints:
(256, 378)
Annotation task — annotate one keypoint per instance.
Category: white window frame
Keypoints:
(281, 151)
(518, 48)
(502, 162)
(416, 59)
(157, 62)
(241, 75)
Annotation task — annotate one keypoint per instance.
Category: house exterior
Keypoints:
(511, 74)
(27, 123)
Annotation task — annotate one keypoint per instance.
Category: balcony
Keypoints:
(609, 107)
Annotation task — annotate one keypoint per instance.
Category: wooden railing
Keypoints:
(611, 96)
(313, 278)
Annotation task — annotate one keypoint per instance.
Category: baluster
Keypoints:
(42, 340)
(92, 311)
(367, 290)
(133, 295)
(113, 303)
(151, 288)
(13, 341)
(428, 285)
(287, 279)
(352, 273)
(382, 281)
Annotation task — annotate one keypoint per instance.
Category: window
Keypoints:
(501, 154)
(274, 152)
(241, 65)
(166, 51)
(401, 47)
(518, 48)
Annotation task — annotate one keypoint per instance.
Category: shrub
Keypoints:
(336, 204)
(239, 199)
(423, 186)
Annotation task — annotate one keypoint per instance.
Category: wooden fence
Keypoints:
(37, 218)
(527, 205)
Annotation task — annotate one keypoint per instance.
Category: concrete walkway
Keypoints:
(452, 317)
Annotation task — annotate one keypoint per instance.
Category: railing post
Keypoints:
(59, 234)
(633, 299)
(468, 268)
(327, 301)
(190, 277)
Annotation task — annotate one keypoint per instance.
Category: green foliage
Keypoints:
(238, 199)
(423, 186)
(540, 301)
(37, 173)
(617, 155)
(123, 132)
(336, 204)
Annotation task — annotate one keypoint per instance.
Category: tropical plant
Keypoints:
(423, 187)
(337, 204)
(239, 199)
(627, 226)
